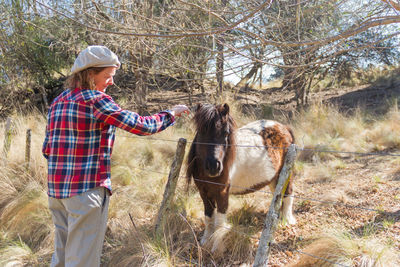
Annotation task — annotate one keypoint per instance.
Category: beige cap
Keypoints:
(95, 56)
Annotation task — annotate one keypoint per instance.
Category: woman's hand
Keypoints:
(178, 110)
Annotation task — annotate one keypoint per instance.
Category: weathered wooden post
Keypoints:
(173, 176)
(28, 148)
(7, 139)
(271, 221)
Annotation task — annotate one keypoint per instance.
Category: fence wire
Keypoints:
(298, 148)
(270, 193)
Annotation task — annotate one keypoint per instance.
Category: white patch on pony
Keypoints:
(252, 164)
(209, 229)
(221, 229)
(287, 212)
(220, 221)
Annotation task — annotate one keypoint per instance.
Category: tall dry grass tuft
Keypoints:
(233, 244)
(386, 76)
(15, 253)
(383, 134)
(24, 215)
(344, 249)
(175, 245)
(323, 127)
(30, 205)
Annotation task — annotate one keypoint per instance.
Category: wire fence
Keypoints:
(270, 193)
(298, 148)
(294, 196)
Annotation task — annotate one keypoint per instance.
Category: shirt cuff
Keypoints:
(171, 114)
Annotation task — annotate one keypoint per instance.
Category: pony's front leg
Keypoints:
(209, 212)
(209, 228)
(221, 225)
(222, 208)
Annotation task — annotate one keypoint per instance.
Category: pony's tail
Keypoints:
(289, 186)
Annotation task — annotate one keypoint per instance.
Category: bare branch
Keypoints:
(188, 34)
(351, 32)
(392, 4)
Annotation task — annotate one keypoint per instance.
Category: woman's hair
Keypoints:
(83, 79)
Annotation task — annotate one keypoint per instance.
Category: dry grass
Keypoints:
(380, 76)
(383, 135)
(140, 170)
(324, 128)
(24, 215)
(15, 253)
(342, 249)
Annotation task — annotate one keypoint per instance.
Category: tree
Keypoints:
(32, 55)
(190, 41)
(304, 37)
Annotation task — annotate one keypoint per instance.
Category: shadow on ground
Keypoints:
(376, 100)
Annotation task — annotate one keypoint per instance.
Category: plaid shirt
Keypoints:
(80, 135)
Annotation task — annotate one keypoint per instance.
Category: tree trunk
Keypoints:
(144, 62)
(220, 66)
(141, 91)
(244, 81)
(220, 59)
(295, 81)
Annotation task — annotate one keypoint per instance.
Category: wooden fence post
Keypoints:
(7, 139)
(28, 148)
(271, 221)
(171, 184)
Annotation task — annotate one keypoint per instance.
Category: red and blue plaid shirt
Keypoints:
(80, 135)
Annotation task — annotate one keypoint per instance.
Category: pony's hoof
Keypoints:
(290, 220)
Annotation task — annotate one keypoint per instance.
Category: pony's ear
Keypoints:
(224, 109)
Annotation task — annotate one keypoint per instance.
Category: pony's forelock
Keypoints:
(206, 115)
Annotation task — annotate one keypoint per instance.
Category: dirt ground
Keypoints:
(365, 185)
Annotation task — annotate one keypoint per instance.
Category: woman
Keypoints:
(80, 134)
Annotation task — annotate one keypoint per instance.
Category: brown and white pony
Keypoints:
(224, 160)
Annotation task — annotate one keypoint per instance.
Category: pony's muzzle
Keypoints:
(213, 167)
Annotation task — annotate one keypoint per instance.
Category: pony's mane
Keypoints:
(207, 114)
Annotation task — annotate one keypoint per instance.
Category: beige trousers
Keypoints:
(80, 225)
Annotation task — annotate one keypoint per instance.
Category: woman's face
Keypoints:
(104, 78)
